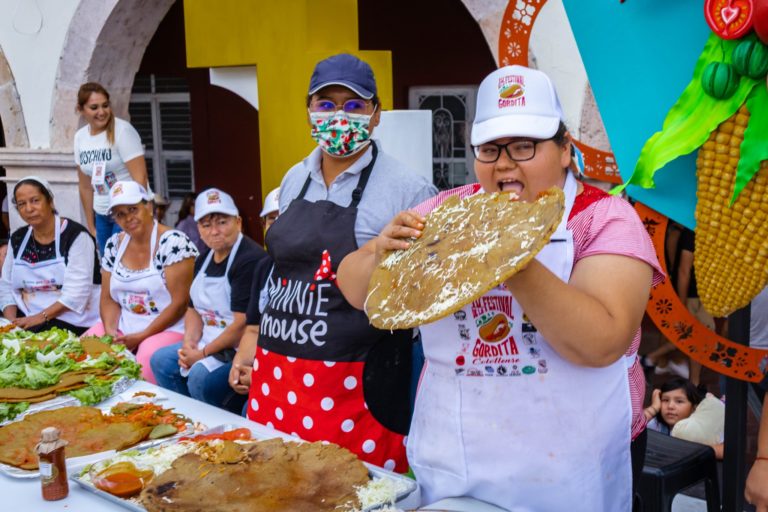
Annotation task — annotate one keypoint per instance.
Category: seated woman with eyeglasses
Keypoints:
(146, 274)
(51, 274)
(542, 418)
(215, 321)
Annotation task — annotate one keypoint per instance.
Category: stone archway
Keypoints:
(14, 126)
(105, 43)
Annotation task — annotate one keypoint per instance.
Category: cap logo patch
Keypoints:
(117, 190)
(511, 91)
(213, 197)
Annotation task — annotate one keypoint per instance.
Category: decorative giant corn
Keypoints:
(722, 113)
(731, 254)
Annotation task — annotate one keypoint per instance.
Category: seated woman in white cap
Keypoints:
(545, 425)
(51, 274)
(146, 275)
(215, 320)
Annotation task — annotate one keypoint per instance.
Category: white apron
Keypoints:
(38, 285)
(142, 295)
(212, 297)
(501, 417)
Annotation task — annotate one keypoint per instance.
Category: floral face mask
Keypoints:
(339, 133)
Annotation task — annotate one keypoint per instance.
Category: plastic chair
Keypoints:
(672, 465)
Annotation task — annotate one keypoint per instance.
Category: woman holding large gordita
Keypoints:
(546, 422)
(146, 275)
(51, 274)
(321, 371)
(107, 149)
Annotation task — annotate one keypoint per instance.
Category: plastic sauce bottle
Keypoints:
(53, 470)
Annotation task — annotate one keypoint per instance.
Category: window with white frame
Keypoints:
(160, 112)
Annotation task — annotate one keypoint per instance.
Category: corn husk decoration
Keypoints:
(723, 113)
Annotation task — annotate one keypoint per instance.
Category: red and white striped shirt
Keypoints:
(601, 224)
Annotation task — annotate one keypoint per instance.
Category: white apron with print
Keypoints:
(501, 417)
(142, 295)
(38, 285)
(212, 297)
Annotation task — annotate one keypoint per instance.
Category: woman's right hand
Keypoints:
(394, 236)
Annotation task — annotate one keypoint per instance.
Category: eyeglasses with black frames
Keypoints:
(517, 150)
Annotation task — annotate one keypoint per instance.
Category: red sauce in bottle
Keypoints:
(53, 469)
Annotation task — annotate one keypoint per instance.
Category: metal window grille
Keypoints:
(452, 113)
(160, 112)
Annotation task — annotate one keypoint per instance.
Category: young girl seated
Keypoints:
(678, 400)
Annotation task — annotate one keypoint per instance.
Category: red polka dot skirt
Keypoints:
(321, 401)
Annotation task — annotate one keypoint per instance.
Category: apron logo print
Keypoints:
(495, 328)
(325, 269)
(140, 304)
(43, 285)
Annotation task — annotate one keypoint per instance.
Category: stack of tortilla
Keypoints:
(68, 381)
(273, 475)
(86, 429)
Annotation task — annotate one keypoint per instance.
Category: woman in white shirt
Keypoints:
(107, 150)
(146, 275)
(39, 278)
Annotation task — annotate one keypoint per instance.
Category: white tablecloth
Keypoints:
(24, 495)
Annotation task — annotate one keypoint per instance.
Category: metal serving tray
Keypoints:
(14, 472)
(374, 471)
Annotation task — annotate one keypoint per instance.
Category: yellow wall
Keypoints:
(284, 39)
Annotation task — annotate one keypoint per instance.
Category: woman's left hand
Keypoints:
(131, 341)
(27, 322)
(189, 356)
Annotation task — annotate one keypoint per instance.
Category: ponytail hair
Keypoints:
(84, 93)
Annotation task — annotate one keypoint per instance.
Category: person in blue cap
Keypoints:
(321, 371)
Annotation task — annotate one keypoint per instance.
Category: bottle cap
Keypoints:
(50, 435)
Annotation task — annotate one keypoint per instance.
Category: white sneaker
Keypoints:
(673, 368)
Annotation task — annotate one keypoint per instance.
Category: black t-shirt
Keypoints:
(687, 242)
(240, 274)
(260, 276)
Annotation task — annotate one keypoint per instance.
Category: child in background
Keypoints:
(676, 400)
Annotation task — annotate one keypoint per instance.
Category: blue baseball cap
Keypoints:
(345, 70)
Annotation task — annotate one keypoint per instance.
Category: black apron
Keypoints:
(308, 327)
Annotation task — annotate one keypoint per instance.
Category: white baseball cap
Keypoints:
(214, 200)
(516, 101)
(127, 192)
(271, 203)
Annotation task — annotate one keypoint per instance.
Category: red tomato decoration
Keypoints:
(761, 19)
(730, 19)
